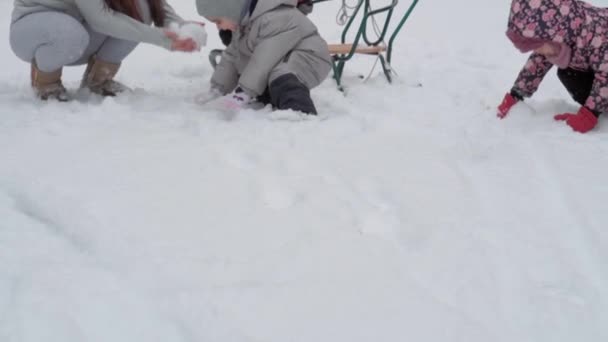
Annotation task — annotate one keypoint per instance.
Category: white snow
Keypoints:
(194, 31)
(402, 213)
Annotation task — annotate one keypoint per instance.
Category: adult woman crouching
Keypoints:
(51, 34)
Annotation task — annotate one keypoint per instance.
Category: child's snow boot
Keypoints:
(47, 85)
(287, 92)
(99, 78)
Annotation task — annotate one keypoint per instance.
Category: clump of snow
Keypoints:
(194, 31)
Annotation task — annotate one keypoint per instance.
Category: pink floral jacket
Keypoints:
(580, 29)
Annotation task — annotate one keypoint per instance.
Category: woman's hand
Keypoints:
(177, 44)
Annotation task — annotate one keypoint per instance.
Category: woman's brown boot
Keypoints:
(99, 78)
(47, 85)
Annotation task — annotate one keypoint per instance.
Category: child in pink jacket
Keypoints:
(571, 35)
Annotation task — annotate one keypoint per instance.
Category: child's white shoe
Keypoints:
(236, 101)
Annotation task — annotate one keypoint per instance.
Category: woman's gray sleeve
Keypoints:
(106, 21)
(170, 15)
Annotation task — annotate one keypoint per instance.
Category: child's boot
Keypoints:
(47, 85)
(99, 78)
(288, 92)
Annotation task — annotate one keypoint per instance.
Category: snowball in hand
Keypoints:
(194, 31)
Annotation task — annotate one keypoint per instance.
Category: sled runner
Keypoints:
(362, 43)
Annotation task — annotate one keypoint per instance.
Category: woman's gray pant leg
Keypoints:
(115, 50)
(52, 39)
(110, 49)
(105, 48)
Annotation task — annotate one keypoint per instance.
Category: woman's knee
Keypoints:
(55, 36)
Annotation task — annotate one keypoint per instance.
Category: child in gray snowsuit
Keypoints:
(275, 51)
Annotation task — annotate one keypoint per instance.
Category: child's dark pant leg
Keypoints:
(292, 79)
(287, 92)
(265, 97)
(577, 82)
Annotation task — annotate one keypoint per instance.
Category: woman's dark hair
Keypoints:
(129, 7)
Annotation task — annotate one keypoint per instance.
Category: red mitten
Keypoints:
(581, 122)
(504, 108)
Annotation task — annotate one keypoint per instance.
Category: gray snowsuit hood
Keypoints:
(264, 6)
(231, 9)
(236, 10)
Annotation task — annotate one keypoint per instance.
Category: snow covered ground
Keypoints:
(403, 213)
